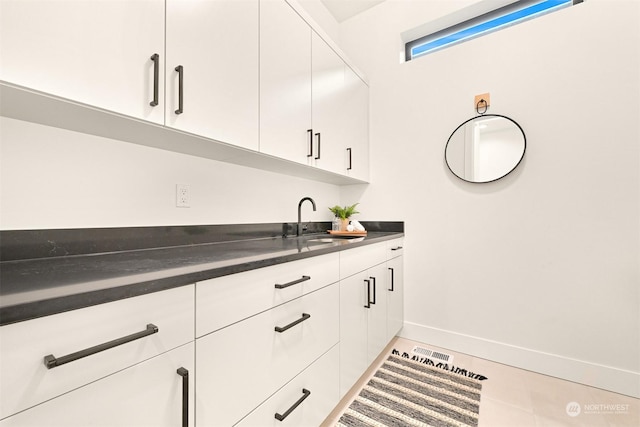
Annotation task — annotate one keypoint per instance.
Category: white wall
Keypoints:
(54, 178)
(540, 269)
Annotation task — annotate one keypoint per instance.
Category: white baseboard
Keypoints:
(591, 374)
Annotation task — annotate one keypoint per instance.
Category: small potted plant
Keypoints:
(344, 214)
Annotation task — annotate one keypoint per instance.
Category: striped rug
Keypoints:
(405, 392)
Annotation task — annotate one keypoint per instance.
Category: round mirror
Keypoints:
(485, 148)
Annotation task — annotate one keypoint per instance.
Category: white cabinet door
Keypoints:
(241, 365)
(377, 312)
(395, 296)
(225, 300)
(285, 82)
(356, 126)
(313, 107)
(353, 329)
(304, 401)
(27, 381)
(328, 82)
(146, 394)
(363, 322)
(94, 52)
(215, 43)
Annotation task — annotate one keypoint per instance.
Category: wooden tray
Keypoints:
(347, 233)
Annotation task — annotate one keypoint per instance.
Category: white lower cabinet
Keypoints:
(363, 322)
(371, 306)
(229, 299)
(154, 393)
(395, 290)
(242, 365)
(273, 346)
(161, 321)
(304, 401)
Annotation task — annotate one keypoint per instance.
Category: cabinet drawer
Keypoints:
(226, 300)
(395, 248)
(147, 394)
(359, 259)
(240, 366)
(26, 381)
(319, 381)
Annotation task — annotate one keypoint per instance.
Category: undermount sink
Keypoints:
(322, 240)
(335, 239)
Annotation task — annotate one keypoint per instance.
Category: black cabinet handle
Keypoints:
(397, 248)
(281, 329)
(318, 156)
(295, 282)
(310, 132)
(51, 362)
(368, 305)
(373, 279)
(156, 78)
(350, 160)
(180, 70)
(305, 393)
(392, 276)
(184, 373)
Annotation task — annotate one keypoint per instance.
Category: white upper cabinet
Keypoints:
(313, 106)
(356, 126)
(93, 52)
(327, 97)
(250, 82)
(285, 83)
(212, 69)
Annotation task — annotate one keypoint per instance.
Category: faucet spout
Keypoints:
(313, 203)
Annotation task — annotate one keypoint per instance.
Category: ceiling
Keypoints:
(345, 9)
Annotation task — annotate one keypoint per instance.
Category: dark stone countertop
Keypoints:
(35, 287)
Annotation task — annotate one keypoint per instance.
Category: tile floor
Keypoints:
(513, 397)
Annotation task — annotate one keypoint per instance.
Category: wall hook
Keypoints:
(482, 104)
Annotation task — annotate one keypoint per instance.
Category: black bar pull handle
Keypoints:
(310, 132)
(318, 156)
(180, 70)
(392, 277)
(156, 78)
(397, 248)
(294, 282)
(281, 329)
(305, 393)
(184, 373)
(373, 279)
(350, 159)
(368, 293)
(51, 361)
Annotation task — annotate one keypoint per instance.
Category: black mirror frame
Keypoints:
(524, 149)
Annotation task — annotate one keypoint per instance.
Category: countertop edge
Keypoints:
(45, 307)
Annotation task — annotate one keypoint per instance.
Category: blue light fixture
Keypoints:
(508, 15)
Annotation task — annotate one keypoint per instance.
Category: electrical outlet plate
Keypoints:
(182, 196)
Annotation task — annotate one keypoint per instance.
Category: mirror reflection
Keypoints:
(485, 148)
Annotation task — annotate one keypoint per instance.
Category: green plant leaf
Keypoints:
(344, 212)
